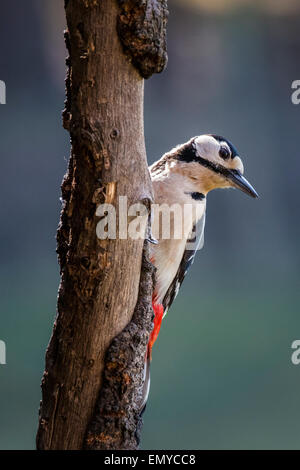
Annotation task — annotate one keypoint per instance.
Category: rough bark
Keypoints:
(117, 420)
(100, 279)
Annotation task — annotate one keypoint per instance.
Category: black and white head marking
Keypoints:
(209, 150)
(188, 153)
(227, 148)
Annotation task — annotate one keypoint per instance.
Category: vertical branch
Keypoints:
(99, 286)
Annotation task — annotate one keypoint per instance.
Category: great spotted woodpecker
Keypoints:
(183, 177)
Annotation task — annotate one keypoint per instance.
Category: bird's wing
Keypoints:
(195, 242)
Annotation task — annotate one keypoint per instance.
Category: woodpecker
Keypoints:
(184, 176)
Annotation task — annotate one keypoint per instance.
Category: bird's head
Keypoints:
(211, 161)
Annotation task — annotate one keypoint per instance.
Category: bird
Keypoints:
(182, 178)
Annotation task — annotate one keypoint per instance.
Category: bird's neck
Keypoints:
(185, 203)
(173, 188)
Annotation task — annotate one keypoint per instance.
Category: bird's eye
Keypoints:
(224, 153)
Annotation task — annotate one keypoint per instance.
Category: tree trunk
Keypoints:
(91, 384)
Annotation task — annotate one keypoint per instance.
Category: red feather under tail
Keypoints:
(158, 315)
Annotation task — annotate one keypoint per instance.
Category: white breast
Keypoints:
(167, 255)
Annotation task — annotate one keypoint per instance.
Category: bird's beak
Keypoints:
(238, 180)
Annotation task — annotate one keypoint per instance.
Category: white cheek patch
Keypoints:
(207, 147)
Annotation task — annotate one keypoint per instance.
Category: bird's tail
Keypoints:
(158, 315)
(146, 384)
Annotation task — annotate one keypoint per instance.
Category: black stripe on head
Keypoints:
(216, 168)
(219, 138)
(187, 152)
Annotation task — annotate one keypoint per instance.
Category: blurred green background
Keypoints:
(222, 377)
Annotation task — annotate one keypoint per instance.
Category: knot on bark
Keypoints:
(142, 30)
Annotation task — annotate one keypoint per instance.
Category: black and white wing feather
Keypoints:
(195, 242)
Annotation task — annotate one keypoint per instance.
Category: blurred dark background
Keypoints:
(222, 377)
